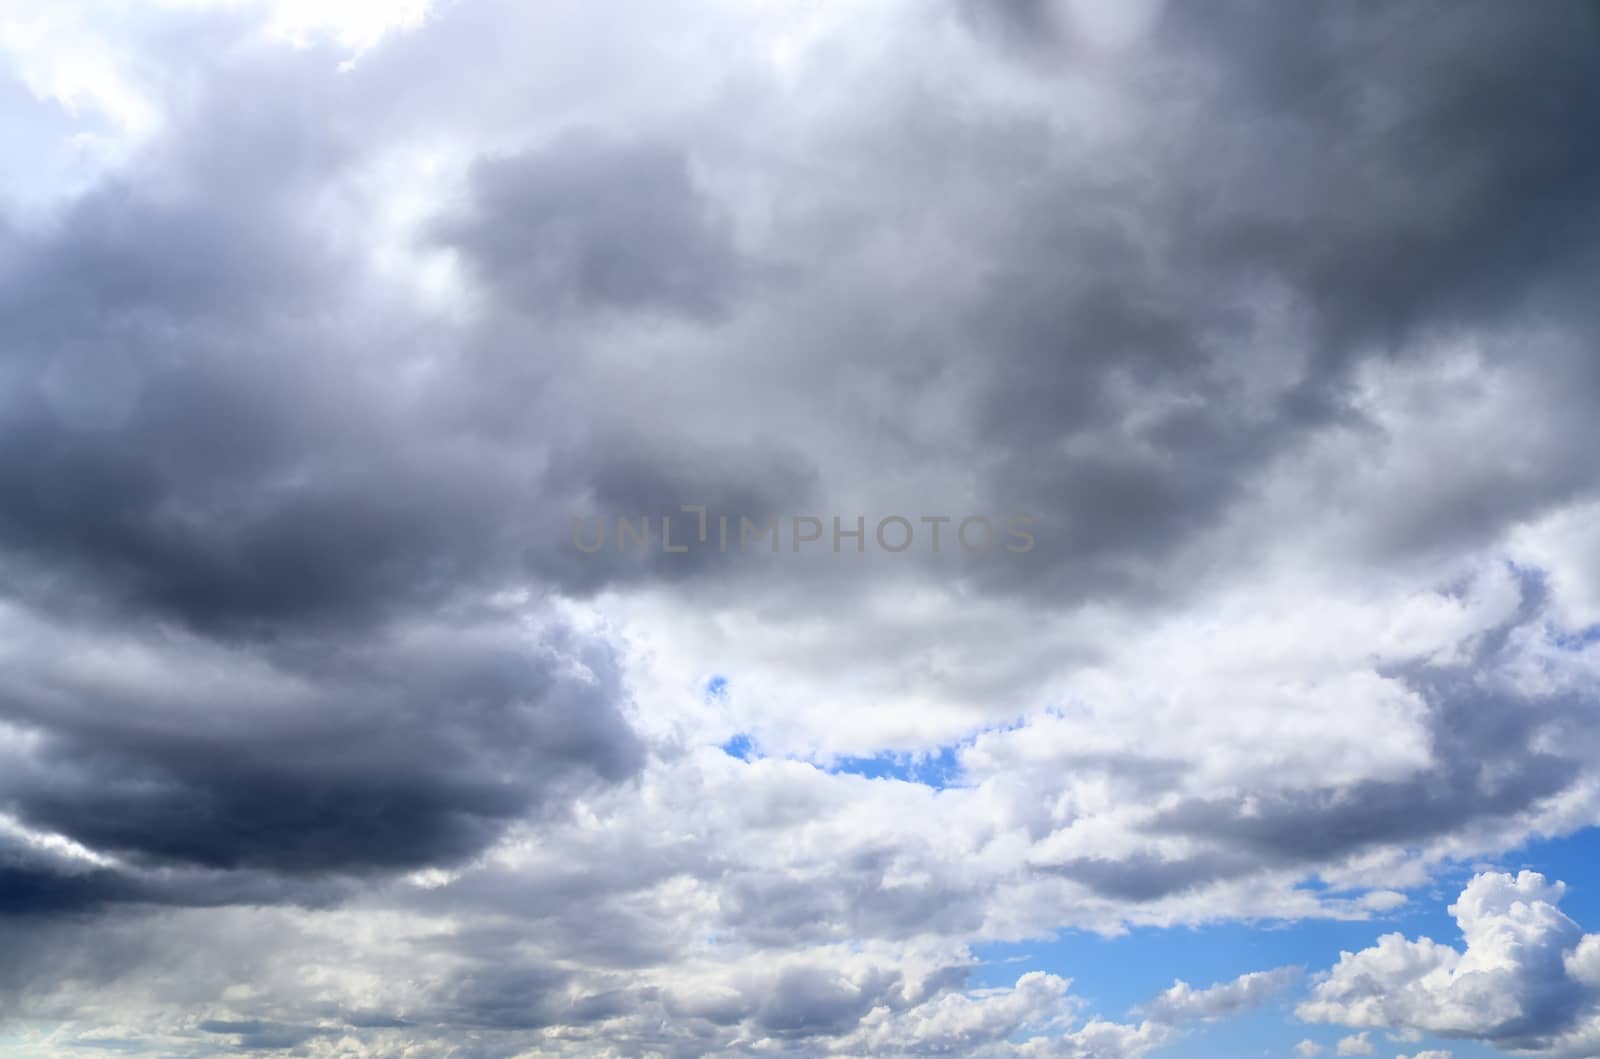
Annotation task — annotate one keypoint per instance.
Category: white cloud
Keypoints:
(1358, 1044)
(1520, 982)
(1183, 1003)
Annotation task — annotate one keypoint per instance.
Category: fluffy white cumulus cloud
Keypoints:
(1521, 981)
(1357, 1044)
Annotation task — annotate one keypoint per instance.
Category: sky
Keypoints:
(1010, 529)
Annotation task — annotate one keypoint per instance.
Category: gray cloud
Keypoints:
(586, 224)
(399, 755)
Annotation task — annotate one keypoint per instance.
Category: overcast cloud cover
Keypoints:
(321, 322)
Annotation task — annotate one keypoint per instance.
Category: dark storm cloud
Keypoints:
(181, 431)
(586, 223)
(1388, 179)
(631, 476)
(176, 511)
(185, 440)
(1381, 177)
(393, 757)
(37, 886)
(33, 884)
(190, 435)
(1389, 172)
(1395, 172)
(186, 434)
(1416, 165)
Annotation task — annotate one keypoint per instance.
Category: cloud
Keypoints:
(1184, 1003)
(318, 732)
(402, 751)
(591, 224)
(1356, 1044)
(1519, 982)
